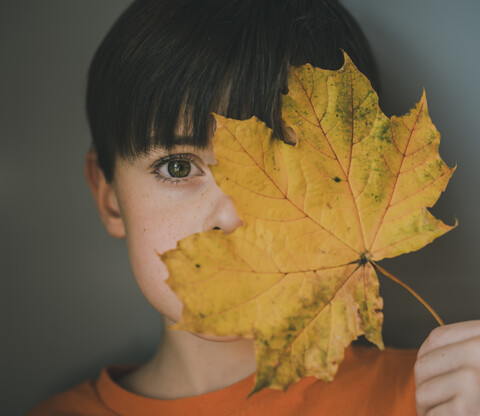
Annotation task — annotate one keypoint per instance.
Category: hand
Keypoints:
(447, 371)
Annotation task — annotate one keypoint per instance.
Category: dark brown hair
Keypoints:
(170, 61)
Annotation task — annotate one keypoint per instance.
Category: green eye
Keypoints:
(179, 168)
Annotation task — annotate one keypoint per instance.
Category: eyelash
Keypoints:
(180, 156)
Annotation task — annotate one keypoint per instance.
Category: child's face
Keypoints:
(162, 198)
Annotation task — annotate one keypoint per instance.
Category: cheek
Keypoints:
(153, 230)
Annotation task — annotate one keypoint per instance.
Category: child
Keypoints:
(157, 76)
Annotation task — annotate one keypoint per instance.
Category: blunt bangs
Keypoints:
(168, 64)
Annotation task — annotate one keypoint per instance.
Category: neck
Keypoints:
(188, 365)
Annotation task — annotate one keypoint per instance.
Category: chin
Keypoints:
(169, 321)
(217, 338)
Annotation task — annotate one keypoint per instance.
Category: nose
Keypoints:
(224, 216)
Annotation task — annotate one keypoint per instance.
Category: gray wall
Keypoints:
(69, 304)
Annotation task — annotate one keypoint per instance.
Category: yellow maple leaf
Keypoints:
(299, 275)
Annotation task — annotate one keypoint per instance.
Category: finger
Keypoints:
(440, 389)
(449, 334)
(444, 409)
(454, 407)
(447, 358)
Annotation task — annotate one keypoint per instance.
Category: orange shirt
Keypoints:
(369, 382)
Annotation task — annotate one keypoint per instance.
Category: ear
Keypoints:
(104, 196)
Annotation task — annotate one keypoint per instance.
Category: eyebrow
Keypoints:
(181, 140)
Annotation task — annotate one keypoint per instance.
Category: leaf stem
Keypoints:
(409, 289)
